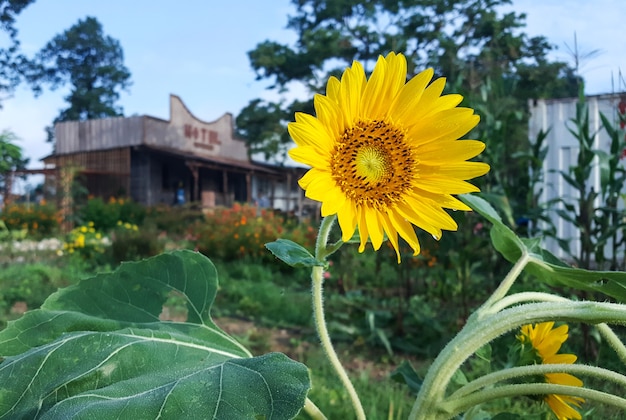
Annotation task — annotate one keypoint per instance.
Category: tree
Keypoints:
(267, 120)
(92, 63)
(484, 54)
(13, 64)
(11, 157)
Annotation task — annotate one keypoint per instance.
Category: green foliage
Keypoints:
(11, 157)
(292, 253)
(92, 63)
(174, 220)
(471, 42)
(130, 243)
(86, 242)
(253, 290)
(36, 219)
(544, 265)
(382, 397)
(105, 215)
(121, 358)
(30, 284)
(599, 225)
(242, 232)
(13, 64)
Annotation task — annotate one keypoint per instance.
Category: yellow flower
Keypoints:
(80, 241)
(385, 153)
(546, 342)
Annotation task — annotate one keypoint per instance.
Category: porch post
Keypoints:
(249, 187)
(225, 188)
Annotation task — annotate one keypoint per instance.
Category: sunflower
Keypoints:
(385, 155)
(546, 342)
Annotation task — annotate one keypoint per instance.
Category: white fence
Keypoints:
(556, 115)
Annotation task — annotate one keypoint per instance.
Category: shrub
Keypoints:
(86, 241)
(129, 243)
(242, 232)
(37, 219)
(173, 220)
(105, 215)
(31, 284)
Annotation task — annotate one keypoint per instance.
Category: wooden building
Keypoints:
(155, 161)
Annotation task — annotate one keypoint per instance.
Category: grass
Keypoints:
(271, 308)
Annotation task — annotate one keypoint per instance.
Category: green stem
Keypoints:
(330, 249)
(609, 335)
(504, 286)
(524, 297)
(507, 391)
(317, 277)
(322, 238)
(480, 331)
(614, 341)
(521, 371)
(313, 412)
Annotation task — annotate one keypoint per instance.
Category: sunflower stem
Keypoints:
(313, 411)
(481, 330)
(609, 335)
(504, 286)
(614, 341)
(453, 407)
(524, 297)
(317, 277)
(331, 249)
(530, 370)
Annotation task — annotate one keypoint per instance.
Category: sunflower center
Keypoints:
(373, 163)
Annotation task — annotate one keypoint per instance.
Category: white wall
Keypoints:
(557, 115)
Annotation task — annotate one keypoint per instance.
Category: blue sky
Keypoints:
(197, 49)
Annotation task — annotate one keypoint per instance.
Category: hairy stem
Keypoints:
(317, 277)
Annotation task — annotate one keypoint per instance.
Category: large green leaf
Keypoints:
(542, 263)
(99, 350)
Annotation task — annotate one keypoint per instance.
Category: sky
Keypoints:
(197, 49)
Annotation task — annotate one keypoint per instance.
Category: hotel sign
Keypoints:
(203, 138)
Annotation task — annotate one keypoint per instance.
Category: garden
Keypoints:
(388, 320)
(245, 312)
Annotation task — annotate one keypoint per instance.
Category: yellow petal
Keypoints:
(563, 379)
(444, 185)
(405, 230)
(451, 150)
(407, 101)
(333, 201)
(363, 232)
(306, 135)
(392, 234)
(461, 170)
(347, 218)
(309, 156)
(332, 88)
(352, 82)
(329, 115)
(452, 124)
(374, 228)
(373, 93)
(318, 188)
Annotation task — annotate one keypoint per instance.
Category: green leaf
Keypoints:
(407, 375)
(99, 350)
(506, 416)
(292, 253)
(543, 264)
